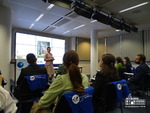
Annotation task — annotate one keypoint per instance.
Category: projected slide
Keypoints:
(27, 43)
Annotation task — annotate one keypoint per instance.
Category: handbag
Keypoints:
(37, 109)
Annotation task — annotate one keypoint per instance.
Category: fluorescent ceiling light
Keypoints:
(79, 26)
(93, 21)
(31, 26)
(38, 18)
(117, 30)
(50, 6)
(66, 32)
(133, 7)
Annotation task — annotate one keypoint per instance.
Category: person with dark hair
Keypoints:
(120, 67)
(73, 80)
(48, 58)
(108, 73)
(127, 64)
(136, 81)
(120, 64)
(26, 93)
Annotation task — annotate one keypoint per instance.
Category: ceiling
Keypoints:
(62, 21)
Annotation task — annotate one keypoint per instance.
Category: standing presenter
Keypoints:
(48, 58)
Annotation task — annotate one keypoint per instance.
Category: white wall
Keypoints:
(5, 42)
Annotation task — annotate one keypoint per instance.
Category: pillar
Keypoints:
(94, 53)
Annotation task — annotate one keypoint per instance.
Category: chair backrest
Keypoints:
(132, 69)
(108, 100)
(146, 81)
(121, 73)
(74, 102)
(36, 82)
(122, 90)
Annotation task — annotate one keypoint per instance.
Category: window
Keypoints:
(27, 43)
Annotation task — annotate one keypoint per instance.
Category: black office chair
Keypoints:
(145, 87)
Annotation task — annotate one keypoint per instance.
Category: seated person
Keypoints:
(136, 81)
(73, 80)
(26, 93)
(108, 73)
(127, 64)
(120, 67)
(7, 104)
(61, 70)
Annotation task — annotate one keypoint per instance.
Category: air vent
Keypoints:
(61, 22)
(50, 29)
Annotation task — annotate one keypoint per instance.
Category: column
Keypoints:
(94, 52)
(5, 43)
(71, 43)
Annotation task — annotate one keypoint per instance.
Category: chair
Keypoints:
(112, 95)
(74, 102)
(37, 82)
(121, 73)
(122, 91)
(145, 86)
(132, 69)
(27, 96)
(108, 100)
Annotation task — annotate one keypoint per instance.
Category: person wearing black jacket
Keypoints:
(26, 93)
(107, 73)
(136, 81)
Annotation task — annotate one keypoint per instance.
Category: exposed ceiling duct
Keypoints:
(80, 7)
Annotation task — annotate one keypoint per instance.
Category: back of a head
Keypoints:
(71, 61)
(119, 60)
(128, 61)
(31, 58)
(108, 59)
(142, 57)
(108, 67)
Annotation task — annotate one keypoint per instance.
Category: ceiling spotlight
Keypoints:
(126, 26)
(82, 9)
(134, 29)
(101, 16)
(116, 23)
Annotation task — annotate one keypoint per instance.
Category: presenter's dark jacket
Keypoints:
(99, 85)
(141, 70)
(30, 70)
